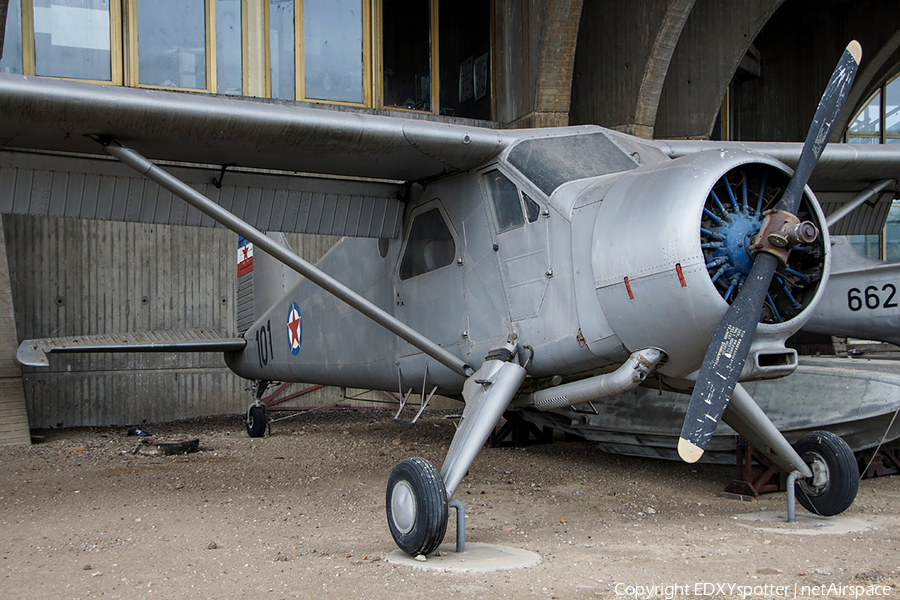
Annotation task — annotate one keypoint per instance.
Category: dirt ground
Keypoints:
(301, 514)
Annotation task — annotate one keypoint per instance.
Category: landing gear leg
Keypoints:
(256, 413)
(417, 495)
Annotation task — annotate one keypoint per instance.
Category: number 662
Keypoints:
(856, 299)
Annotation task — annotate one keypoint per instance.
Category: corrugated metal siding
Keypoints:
(58, 186)
(867, 219)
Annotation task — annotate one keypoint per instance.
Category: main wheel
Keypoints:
(832, 488)
(417, 507)
(256, 421)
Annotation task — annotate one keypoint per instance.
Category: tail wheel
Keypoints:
(417, 507)
(835, 481)
(256, 421)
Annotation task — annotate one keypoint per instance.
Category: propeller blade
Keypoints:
(730, 345)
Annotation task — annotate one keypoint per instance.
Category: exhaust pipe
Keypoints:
(624, 379)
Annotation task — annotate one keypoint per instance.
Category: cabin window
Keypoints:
(532, 208)
(430, 245)
(504, 197)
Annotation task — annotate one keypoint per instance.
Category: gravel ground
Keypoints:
(300, 514)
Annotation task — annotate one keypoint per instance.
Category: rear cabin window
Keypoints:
(430, 245)
(505, 200)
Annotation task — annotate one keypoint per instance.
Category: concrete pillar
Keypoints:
(13, 415)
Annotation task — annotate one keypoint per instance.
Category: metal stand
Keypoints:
(791, 499)
(460, 525)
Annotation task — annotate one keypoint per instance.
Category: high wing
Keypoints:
(48, 114)
(278, 153)
(41, 114)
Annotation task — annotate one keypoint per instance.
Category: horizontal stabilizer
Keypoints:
(33, 353)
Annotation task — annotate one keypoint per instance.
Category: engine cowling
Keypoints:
(670, 252)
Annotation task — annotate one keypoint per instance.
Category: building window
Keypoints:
(171, 43)
(333, 62)
(406, 53)
(12, 42)
(72, 39)
(423, 55)
(229, 48)
(879, 123)
(281, 49)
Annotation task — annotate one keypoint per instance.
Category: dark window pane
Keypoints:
(465, 66)
(505, 200)
(407, 54)
(430, 245)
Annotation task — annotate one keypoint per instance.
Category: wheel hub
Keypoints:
(816, 484)
(403, 507)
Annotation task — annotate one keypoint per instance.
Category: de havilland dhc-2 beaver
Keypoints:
(519, 269)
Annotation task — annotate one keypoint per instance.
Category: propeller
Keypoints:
(781, 230)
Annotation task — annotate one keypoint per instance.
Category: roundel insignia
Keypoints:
(294, 329)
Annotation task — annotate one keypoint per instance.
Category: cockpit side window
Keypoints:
(532, 208)
(505, 200)
(430, 245)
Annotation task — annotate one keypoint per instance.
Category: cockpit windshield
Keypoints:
(552, 161)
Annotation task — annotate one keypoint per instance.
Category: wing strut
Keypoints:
(152, 172)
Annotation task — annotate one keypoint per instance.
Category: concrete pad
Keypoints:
(807, 523)
(478, 558)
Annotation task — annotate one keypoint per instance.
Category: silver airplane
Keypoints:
(861, 300)
(517, 269)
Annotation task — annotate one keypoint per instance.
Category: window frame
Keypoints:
(882, 136)
(300, 57)
(434, 48)
(419, 210)
(209, 18)
(29, 60)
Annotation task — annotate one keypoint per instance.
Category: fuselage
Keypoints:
(583, 243)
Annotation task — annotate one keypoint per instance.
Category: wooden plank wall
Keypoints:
(77, 277)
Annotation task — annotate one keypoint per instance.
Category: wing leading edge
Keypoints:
(49, 114)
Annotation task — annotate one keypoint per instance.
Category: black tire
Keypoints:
(417, 507)
(256, 421)
(835, 481)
